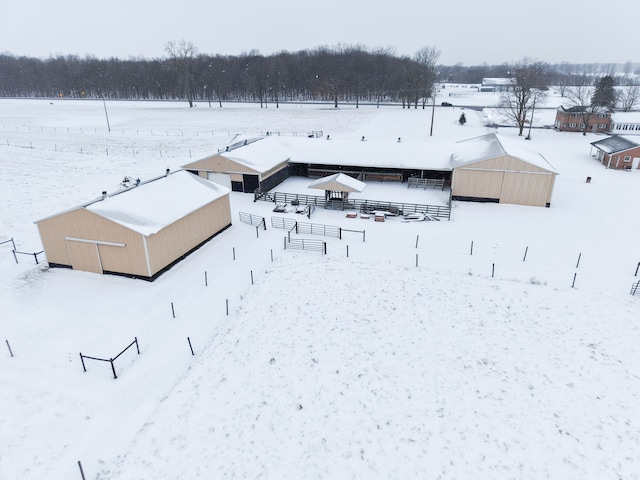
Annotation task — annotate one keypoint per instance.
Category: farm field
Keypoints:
(501, 344)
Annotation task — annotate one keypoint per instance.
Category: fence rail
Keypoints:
(3, 241)
(283, 223)
(110, 360)
(251, 219)
(34, 254)
(305, 244)
(440, 211)
(318, 229)
(425, 183)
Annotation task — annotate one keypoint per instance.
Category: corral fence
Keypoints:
(424, 183)
(110, 360)
(4, 240)
(34, 255)
(305, 244)
(440, 211)
(311, 228)
(635, 288)
(255, 220)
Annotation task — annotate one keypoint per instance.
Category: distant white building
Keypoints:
(625, 123)
(497, 84)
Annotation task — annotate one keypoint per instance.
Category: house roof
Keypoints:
(493, 145)
(614, 144)
(152, 205)
(338, 182)
(626, 117)
(583, 108)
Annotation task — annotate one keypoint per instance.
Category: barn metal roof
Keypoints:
(493, 145)
(150, 206)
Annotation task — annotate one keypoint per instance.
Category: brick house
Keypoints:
(597, 119)
(617, 152)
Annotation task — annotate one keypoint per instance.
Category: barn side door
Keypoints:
(251, 182)
(84, 256)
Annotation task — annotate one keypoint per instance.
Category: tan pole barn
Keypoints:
(140, 231)
(493, 168)
(245, 164)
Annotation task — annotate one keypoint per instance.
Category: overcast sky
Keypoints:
(468, 31)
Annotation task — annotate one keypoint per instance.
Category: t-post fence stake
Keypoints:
(9, 347)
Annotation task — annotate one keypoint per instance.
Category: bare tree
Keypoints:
(629, 97)
(530, 84)
(182, 57)
(580, 97)
(426, 59)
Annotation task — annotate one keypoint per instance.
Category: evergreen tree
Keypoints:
(604, 95)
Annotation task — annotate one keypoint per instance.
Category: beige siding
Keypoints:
(175, 240)
(219, 164)
(527, 189)
(84, 256)
(85, 225)
(506, 163)
(505, 178)
(477, 183)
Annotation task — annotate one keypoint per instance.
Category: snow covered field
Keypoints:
(405, 359)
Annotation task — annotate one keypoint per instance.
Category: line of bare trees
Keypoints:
(337, 74)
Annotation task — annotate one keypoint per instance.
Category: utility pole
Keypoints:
(106, 114)
(433, 109)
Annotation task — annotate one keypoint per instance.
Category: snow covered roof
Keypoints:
(626, 117)
(157, 203)
(494, 145)
(433, 155)
(338, 182)
(614, 144)
(498, 81)
(260, 154)
(583, 108)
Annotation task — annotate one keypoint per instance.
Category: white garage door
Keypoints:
(220, 178)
